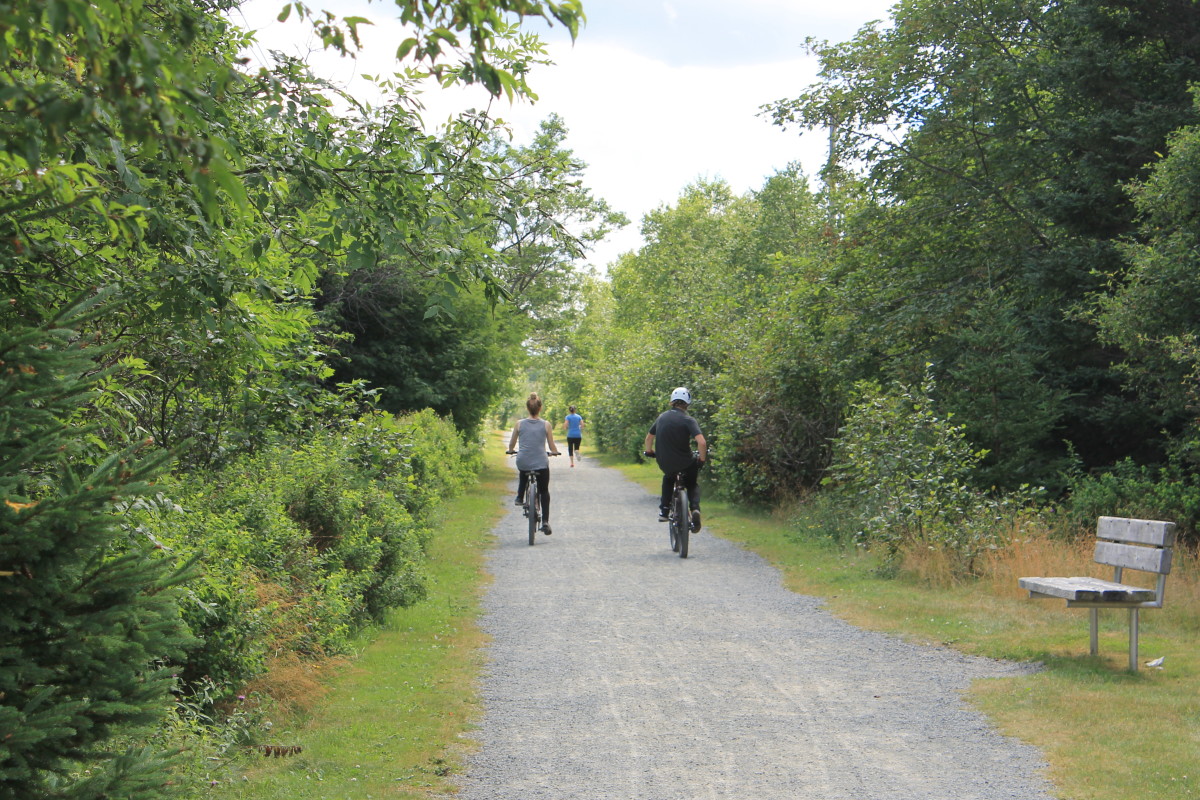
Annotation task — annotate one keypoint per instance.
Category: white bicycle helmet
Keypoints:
(681, 394)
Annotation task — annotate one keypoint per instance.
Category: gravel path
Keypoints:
(618, 670)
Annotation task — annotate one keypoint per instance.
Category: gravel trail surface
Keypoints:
(619, 670)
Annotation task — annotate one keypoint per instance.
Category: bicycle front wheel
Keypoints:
(683, 521)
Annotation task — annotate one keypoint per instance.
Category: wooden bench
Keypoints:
(1137, 544)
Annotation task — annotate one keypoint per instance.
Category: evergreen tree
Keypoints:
(88, 614)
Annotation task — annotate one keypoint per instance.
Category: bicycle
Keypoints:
(679, 515)
(531, 508)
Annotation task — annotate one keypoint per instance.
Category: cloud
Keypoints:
(648, 129)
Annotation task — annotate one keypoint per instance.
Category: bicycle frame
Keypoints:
(532, 505)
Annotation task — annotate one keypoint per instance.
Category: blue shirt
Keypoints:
(574, 426)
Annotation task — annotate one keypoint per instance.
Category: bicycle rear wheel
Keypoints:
(683, 522)
(531, 501)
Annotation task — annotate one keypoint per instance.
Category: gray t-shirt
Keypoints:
(531, 444)
(673, 432)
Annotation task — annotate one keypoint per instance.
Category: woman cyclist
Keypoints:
(535, 437)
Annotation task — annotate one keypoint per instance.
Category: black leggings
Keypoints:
(573, 445)
(543, 488)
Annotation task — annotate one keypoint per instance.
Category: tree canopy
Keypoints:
(1006, 200)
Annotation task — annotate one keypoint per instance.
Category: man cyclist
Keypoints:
(673, 432)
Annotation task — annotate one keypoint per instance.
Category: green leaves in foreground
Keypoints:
(88, 610)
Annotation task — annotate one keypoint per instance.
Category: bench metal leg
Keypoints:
(1094, 620)
(1133, 640)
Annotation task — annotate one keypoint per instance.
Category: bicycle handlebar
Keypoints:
(652, 454)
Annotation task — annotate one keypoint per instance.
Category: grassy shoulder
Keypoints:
(396, 720)
(1107, 733)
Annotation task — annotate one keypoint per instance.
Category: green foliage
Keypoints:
(729, 298)
(416, 362)
(1167, 492)
(88, 611)
(482, 24)
(783, 381)
(302, 546)
(996, 141)
(663, 320)
(1152, 314)
(909, 468)
(909, 464)
(442, 461)
(215, 201)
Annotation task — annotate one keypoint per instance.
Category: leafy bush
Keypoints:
(910, 470)
(776, 445)
(1129, 490)
(626, 402)
(301, 546)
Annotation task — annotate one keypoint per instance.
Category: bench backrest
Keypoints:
(1139, 544)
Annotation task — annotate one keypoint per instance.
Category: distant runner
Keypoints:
(574, 425)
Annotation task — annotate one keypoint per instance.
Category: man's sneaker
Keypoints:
(695, 520)
(662, 515)
(520, 501)
(546, 528)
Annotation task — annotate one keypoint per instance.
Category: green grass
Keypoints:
(397, 720)
(1107, 733)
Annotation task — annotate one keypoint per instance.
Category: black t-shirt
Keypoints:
(673, 432)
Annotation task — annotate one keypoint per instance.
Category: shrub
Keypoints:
(1128, 490)
(301, 546)
(909, 469)
(776, 446)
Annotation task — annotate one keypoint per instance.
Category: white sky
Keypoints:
(655, 94)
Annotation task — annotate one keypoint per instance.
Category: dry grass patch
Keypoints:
(294, 685)
(1026, 553)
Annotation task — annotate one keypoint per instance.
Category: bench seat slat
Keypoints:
(1092, 590)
